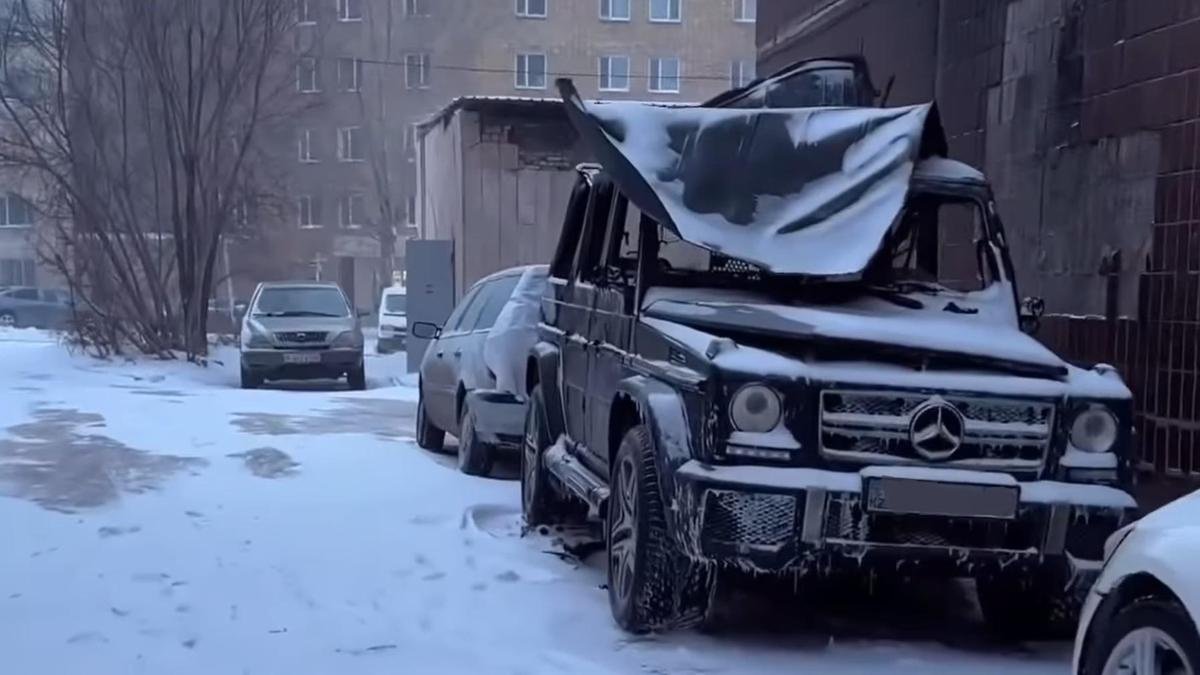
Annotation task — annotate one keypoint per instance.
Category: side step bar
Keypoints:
(577, 478)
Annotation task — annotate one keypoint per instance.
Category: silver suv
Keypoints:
(301, 330)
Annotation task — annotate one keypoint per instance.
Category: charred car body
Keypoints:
(788, 341)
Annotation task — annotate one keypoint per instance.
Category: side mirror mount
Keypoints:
(425, 330)
(1032, 309)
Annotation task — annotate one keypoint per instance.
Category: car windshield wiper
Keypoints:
(298, 313)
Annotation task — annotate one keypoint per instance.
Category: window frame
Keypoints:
(741, 80)
(346, 137)
(6, 219)
(739, 11)
(304, 147)
(343, 11)
(356, 71)
(315, 70)
(304, 13)
(613, 17)
(422, 69)
(600, 72)
(346, 210)
(477, 292)
(519, 72)
(677, 4)
(526, 14)
(306, 204)
(571, 238)
(656, 74)
(412, 7)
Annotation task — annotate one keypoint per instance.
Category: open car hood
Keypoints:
(864, 326)
(809, 191)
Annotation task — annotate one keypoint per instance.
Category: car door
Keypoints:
(474, 372)
(25, 304)
(439, 375)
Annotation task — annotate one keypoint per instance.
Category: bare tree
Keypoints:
(142, 122)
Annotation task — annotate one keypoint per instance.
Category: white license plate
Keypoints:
(930, 498)
(302, 357)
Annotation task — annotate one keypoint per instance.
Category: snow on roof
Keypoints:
(941, 168)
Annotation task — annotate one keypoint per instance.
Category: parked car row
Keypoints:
(742, 376)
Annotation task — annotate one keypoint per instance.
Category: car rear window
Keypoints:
(319, 301)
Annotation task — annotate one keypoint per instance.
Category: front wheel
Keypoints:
(651, 585)
(357, 378)
(8, 319)
(1149, 637)
(474, 456)
(249, 379)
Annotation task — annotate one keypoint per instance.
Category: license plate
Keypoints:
(930, 498)
(302, 357)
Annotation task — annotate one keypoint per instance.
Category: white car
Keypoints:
(393, 320)
(1140, 616)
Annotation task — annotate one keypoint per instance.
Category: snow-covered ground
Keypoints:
(156, 519)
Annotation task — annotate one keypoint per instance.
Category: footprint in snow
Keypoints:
(114, 531)
(88, 637)
(508, 576)
(434, 576)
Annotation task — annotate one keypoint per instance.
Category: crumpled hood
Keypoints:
(867, 322)
(810, 191)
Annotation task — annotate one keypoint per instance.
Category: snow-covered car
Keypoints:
(35, 307)
(393, 320)
(472, 375)
(1141, 615)
(301, 330)
(756, 355)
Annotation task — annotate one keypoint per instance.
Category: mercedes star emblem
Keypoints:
(936, 429)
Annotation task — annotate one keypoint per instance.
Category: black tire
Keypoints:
(651, 585)
(8, 318)
(474, 456)
(540, 502)
(250, 380)
(429, 436)
(1036, 606)
(1163, 615)
(357, 378)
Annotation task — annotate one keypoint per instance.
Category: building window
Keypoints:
(745, 11)
(307, 216)
(304, 13)
(15, 211)
(416, 7)
(350, 74)
(665, 10)
(531, 71)
(304, 146)
(350, 10)
(306, 75)
(18, 272)
(532, 8)
(353, 210)
(411, 210)
(416, 71)
(741, 73)
(351, 144)
(614, 10)
(614, 73)
(664, 75)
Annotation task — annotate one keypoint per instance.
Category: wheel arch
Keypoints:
(1125, 592)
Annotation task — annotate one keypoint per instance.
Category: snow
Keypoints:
(818, 188)
(157, 519)
(941, 168)
(939, 475)
(515, 331)
(778, 438)
(1054, 492)
(1075, 458)
(781, 478)
(752, 361)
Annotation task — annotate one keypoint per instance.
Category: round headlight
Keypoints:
(1094, 429)
(755, 408)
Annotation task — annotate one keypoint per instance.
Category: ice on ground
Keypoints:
(298, 530)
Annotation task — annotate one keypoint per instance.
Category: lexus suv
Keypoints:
(301, 330)
(789, 341)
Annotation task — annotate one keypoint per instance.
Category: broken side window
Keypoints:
(939, 240)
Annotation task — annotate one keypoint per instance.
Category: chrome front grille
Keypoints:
(302, 337)
(873, 427)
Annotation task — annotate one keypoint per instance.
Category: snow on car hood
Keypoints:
(867, 321)
(808, 191)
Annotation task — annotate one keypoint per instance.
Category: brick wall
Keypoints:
(1085, 114)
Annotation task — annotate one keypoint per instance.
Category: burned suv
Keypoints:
(788, 341)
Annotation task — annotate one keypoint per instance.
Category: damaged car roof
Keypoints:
(807, 191)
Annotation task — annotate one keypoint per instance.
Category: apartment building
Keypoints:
(369, 70)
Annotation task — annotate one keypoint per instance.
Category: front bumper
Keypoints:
(499, 416)
(781, 519)
(277, 363)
